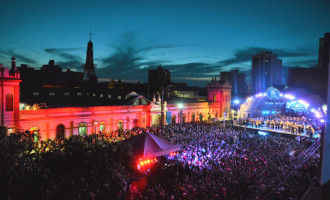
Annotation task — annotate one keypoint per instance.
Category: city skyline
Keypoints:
(193, 39)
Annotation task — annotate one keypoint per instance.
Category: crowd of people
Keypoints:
(219, 163)
(213, 163)
(295, 125)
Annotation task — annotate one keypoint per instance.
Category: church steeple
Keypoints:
(13, 65)
(89, 68)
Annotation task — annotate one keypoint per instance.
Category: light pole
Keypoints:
(236, 106)
(162, 123)
(162, 105)
(180, 105)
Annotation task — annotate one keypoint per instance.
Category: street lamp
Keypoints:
(180, 105)
(162, 106)
(162, 123)
(236, 103)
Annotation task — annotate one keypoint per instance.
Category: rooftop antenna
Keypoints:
(90, 33)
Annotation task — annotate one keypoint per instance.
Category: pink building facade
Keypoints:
(68, 121)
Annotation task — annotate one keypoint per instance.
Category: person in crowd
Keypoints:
(213, 163)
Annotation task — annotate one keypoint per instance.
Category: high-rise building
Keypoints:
(266, 71)
(314, 80)
(324, 62)
(237, 81)
(159, 78)
(89, 68)
(324, 51)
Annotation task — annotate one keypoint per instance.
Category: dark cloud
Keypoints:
(303, 63)
(244, 55)
(19, 57)
(197, 74)
(129, 59)
(67, 59)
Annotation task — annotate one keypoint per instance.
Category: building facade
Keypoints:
(67, 121)
(220, 92)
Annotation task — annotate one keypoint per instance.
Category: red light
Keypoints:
(141, 163)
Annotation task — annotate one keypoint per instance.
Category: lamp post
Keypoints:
(180, 105)
(236, 106)
(162, 123)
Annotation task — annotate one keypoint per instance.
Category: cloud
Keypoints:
(197, 73)
(19, 57)
(245, 54)
(303, 63)
(129, 59)
(66, 59)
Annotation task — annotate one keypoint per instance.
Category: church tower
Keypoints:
(89, 68)
(9, 97)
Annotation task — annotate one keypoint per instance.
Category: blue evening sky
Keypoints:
(195, 40)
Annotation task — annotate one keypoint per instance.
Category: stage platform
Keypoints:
(273, 131)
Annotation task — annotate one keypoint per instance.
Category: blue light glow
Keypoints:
(236, 101)
(262, 133)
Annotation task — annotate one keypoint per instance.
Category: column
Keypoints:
(47, 132)
(71, 129)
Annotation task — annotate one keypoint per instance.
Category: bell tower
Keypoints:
(9, 92)
(89, 68)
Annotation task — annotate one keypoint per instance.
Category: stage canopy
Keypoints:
(274, 102)
(147, 145)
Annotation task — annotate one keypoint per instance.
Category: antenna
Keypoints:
(90, 33)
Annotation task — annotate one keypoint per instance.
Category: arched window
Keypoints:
(60, 131)
(120, 126)
(82, 129)
(183, 118)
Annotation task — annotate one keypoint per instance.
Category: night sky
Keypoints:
(195, 40)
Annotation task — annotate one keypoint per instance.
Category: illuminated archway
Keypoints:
(60, 131)
(102, 127)
(193, 117)
(82, 129)
(34, 130)
(209, 116)
(183, 118)
(173, 119)
(120, 125)
(201, 117)
(156, 120)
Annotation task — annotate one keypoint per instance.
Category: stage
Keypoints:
(274, 131)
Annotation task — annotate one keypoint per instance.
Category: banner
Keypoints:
(168, 117)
